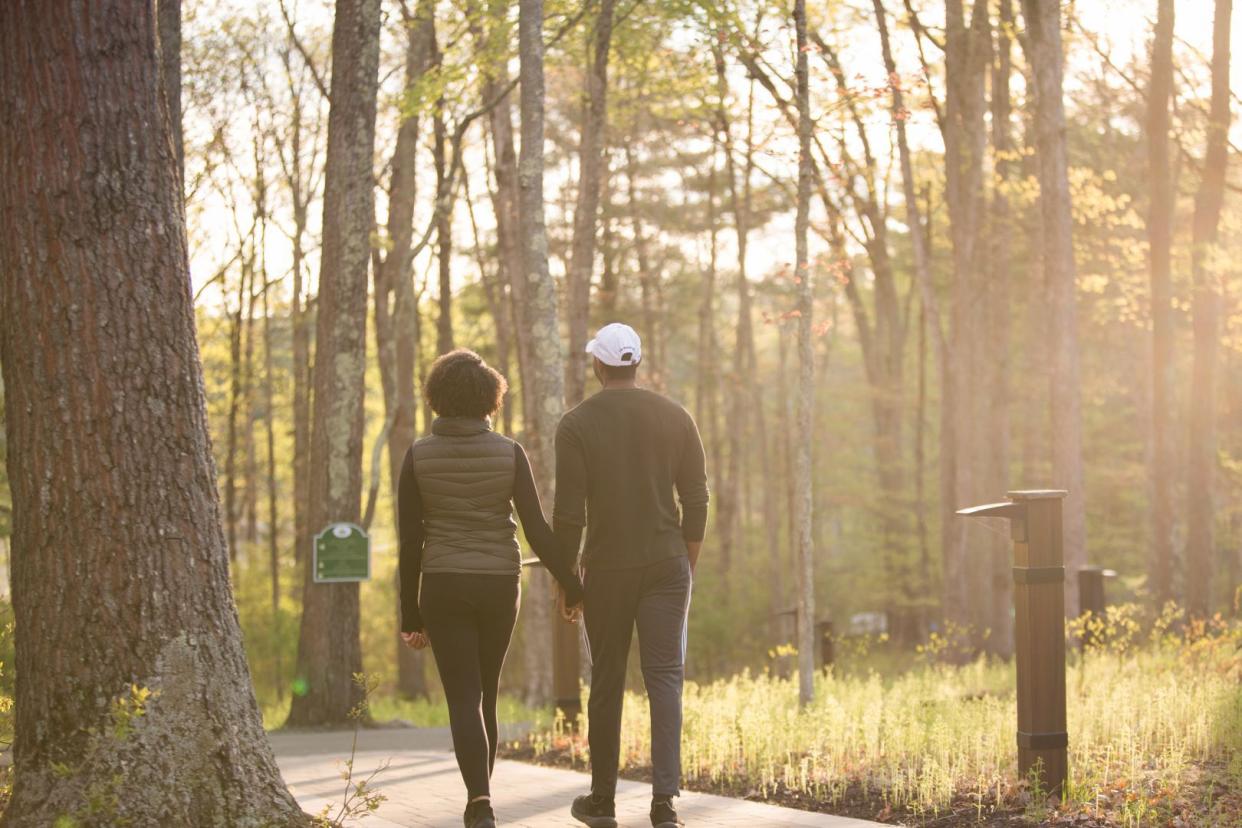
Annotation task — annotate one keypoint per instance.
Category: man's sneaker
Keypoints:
(663, 814)
(597, 812)
(479, 814)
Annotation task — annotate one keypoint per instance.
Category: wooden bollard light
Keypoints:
(1039, 631)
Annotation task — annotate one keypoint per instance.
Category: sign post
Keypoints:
(1039, 630)
(341, 553)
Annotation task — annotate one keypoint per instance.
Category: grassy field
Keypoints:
(1155, 723)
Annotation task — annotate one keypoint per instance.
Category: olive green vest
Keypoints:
(465, 481)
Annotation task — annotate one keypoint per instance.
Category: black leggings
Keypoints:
(469, 619)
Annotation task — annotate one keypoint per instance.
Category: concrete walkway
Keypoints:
(424, 788)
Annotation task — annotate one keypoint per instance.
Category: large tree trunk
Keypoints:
(539, 319)
(1206, 309)
(590, 165)
(803, 515)
(109, 458)
(1160, 243)
(1043, 25)
(396, 313)
(329, 652)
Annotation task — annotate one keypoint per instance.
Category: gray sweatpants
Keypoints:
(656, 598)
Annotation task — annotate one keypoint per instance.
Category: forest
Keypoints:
(896, 257)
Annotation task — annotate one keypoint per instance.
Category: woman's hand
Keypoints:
(416, 640)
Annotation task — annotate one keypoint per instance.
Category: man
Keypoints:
(620, 456)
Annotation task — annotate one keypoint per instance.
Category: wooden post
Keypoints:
(1039, 631)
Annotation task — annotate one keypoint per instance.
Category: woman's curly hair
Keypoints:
(461, 384)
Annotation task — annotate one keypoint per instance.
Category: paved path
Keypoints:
(424, 789)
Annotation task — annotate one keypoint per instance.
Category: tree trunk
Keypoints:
(396, 329)
(505, 197)
(1206, 312)
(109, 459)
(1160, 244)
(648, 283)
(547, 375)
(444, 219)
(968, 570)
(236, 398)
(1043, 24)
(803, 515)
(590, 165)
(995, 451)
(329, 652)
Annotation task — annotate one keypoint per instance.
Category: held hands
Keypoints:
(416, 640)
(571, 614)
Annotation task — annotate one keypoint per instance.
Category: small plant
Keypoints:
(360, 799)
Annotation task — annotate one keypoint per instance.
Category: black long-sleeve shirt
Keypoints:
(529, 510)
(620, 456)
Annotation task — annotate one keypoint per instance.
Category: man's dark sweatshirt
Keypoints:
(619, 456)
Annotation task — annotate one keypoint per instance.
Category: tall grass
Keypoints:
(1145, 713)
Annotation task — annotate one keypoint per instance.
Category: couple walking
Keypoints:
(624, 459)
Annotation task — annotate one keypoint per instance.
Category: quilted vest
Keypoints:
(465, 481)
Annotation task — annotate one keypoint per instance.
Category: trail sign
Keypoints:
(342, 553)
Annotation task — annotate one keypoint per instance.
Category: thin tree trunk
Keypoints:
(100, 361)
(967, 567)
(1160, 244)
(590, 166)
(396, 312)
(248, 373)
(803, 512)
(995, 451)
(648, 283)
(329, 652)
(1206, 312)
(444, 220)
(236, 398)
(547, 376)
(1043, 25)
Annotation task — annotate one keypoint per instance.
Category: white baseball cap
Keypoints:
(617, 345)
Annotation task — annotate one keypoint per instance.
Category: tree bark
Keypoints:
(1043, 24)
(539, 312)
(1206, 313)
(329, 652)
(396, 313)
(590, 166)
(1160, 244)
(168, 14)
(109, 459)
(803, 500)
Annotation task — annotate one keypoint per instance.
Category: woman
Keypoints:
(460, 560)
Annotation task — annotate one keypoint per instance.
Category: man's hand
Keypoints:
(416, 640)
(570, 614)
(692, 552)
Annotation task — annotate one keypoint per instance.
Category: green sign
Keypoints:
(342, 553)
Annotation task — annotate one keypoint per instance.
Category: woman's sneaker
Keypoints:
(597, 812)
(479, 814)
(663, 814)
